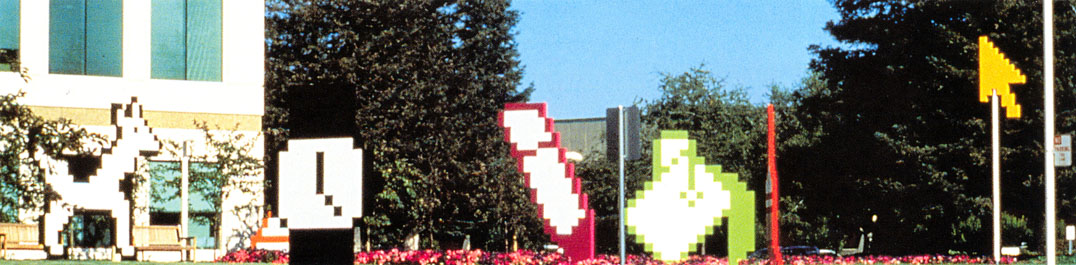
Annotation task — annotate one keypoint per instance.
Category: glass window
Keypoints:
(165, 201)
(90, 229)
(169, 51)
(104, 37)
(186, 40)
(9, 34)
(86, 37)
(67, 37)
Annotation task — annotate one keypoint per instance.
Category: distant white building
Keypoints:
(184, 61)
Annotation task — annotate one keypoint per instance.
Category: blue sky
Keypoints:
(585, 56)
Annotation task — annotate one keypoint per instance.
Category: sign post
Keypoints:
(620, 195)
(622, 123)
(995, 75)
(1048, 129)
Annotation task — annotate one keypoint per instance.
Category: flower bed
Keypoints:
(527, 257)
(913, 259)
(255, 255)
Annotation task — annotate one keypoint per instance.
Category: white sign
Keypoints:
(1062, 150)
(1010, 251)
(1070, 232)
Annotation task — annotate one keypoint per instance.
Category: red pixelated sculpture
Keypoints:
(563, 206)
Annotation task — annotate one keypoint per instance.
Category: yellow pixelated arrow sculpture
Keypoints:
(996, 73)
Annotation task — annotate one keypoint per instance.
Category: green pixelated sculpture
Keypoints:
(686, 200)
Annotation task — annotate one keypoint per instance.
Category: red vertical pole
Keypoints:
(771, 161)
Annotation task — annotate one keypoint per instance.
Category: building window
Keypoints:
(86, 37)
(9, 35)
(186, 41)
(90, 229)
(204, 218)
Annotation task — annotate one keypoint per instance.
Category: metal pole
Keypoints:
(620, 198)
(995, 144)
(771, 165)
(184, 191)
(1048, 124)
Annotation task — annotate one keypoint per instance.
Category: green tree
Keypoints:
(26, 142)
(799, 226)
(729, 130)
(600, 182)
(228, 167)
(903, 136)
(418, 84)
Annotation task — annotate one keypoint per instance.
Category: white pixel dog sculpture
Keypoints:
(103, 190)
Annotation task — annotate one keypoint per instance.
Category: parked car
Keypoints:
(789, 250)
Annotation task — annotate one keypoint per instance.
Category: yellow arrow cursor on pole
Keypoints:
(995, 74)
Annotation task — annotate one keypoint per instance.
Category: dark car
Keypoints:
(789, 250)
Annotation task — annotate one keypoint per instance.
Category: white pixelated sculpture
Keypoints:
(562, 204)
(320, 184)
(545, 168)
(102, 190)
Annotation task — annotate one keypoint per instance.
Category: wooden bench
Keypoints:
(161, 238)
(19, 237)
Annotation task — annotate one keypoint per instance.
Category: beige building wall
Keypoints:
(171, 106)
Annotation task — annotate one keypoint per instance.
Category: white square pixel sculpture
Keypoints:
(320, 184)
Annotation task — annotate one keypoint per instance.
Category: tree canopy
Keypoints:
(27, 141)
(418, 84)
(728, 129)
(902, 136)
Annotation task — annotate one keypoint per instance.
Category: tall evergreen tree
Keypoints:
(903, 135)
(419, 85)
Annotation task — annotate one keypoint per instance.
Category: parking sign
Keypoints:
(1062, 150)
